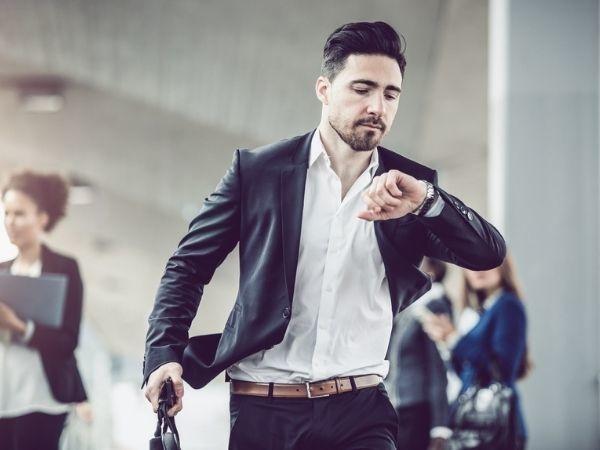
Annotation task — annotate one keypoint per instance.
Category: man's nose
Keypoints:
(376, 105)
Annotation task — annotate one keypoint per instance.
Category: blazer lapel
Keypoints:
(46, 259)
(293, 183)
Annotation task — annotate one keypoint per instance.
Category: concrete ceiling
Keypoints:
(247, 67)
(160, 93)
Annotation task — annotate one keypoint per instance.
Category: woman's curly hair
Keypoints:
(49, 191)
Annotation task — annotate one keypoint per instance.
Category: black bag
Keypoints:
(166, 436)
(484, 417)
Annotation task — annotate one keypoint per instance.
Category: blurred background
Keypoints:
(141, 103)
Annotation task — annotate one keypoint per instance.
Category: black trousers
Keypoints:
(36, 431)
(414, 427)
(360, 420)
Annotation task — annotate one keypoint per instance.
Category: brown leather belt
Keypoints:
(305, 390)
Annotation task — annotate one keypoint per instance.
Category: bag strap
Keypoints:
(165, 423)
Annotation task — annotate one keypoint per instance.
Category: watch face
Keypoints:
(430, 190)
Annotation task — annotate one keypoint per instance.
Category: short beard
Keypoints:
(356, 141)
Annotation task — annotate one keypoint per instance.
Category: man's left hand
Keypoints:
(392, 195)
(10, 321)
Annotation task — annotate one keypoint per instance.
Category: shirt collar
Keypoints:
(317, 150)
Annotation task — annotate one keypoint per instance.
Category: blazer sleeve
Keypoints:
(460, 236)
(212, 235)
(61, 342)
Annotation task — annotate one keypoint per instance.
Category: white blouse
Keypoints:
(24, 388)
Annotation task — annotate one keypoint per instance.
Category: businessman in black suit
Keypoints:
(331, 230)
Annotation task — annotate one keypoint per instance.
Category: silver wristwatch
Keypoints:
(428, 201)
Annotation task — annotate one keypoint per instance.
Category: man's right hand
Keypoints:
(156, 380)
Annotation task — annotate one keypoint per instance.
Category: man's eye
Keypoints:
(391, 97)
(361, 91)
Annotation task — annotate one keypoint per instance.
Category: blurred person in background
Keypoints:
(331, 231)
(38, 371)
(499, 336)
(417, 377)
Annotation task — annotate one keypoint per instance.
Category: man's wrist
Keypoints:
(430, 196)
(424, 198)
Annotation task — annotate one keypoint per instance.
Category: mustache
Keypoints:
(372, 121)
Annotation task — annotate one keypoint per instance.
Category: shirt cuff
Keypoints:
(440, 432)
(29, 329)
(436, 208)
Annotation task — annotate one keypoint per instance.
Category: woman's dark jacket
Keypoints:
(57, 345)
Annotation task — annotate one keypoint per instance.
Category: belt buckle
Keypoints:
(307, 384)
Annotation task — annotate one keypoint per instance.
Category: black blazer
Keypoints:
(57, 345)
(258, 205)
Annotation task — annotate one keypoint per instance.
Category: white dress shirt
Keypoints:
(24, 388)
(341, 313)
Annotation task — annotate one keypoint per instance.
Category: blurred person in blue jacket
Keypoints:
(39, 379)
(500, 334)
(417, 377)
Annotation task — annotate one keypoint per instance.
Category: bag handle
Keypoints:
(166, 430)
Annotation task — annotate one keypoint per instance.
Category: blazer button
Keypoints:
(286, 312)
(470, 215)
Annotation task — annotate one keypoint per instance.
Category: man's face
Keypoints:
(362, 100)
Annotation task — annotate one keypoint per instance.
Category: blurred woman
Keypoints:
(499, 336)
(39, 379)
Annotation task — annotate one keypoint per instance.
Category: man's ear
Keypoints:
(323, 89)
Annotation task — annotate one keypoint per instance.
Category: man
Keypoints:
(417, 378)
(331, 229)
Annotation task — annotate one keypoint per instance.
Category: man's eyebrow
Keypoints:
(371, 83)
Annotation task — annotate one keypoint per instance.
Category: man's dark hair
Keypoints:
(49, 191)
(362, 38)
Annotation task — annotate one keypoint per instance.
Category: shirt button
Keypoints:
(286, 312)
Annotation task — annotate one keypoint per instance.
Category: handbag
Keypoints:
(166, 436)
(484, 416)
